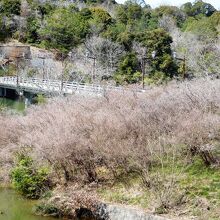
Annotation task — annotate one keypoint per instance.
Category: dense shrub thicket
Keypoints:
(90, 141)
(120, 133)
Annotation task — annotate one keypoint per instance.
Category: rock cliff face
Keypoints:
(44, 61)
(40, 62)
(15, 51)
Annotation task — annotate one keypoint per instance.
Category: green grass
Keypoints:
(197, 180)
(125, 196)
(126, 190)
(200, 180)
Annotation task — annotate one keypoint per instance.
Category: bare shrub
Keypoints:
(120, 133)
(69, 203)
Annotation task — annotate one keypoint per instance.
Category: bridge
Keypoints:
(54, 87)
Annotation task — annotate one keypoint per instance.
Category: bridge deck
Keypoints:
(35, 85)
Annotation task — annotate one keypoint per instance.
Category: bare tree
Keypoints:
(106, 54)
(168, 24)
(201, 55)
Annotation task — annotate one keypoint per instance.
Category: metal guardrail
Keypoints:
(37, 85)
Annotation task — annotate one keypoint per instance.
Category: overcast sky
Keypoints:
(155, 3)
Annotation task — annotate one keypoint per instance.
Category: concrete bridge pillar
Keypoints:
(3, 92)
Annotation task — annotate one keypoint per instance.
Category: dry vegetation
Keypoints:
(98, 140)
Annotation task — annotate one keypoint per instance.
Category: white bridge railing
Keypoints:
(36, 85)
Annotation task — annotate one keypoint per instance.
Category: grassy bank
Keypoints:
(157, 150)
(196, 192)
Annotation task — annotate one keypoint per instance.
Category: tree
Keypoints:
(64, 30)
(198, 8)
(86, 13)
(159, 41)
(45, 9)
(203, 28)
(33, 25)
(168, 23)
(148, 20)
(173, 12)
(2, 30)
(202, 55)
(107, 55)
(114, 30)
(121, 34)
(10, 7)
(98, 59)
(141, 53)
(129, 12)
(215, 19)
(7, 27)
(100, 20)
(128, 70)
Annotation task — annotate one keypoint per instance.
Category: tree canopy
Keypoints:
(64, 27)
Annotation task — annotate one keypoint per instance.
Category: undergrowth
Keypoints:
(29, 180)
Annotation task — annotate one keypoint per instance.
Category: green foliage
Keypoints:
(33, 26)
(126, 38)
(129, 12)
(171, 11)
(45, 9)
(215, 19)
(156, 78)
(135, 17)
(159, 41)
(101, 16)
(198, 8)
(128, 69)
(40, 99)
(27, 179)
(3, 33)
(2, 107)
(148, 21)
(205, 28)
(64, 30)
(113, 31)
(10, 7)
(8, 26)
(100, 19)
(163, 66)
(121, 34)
(42, 8)
(86, 13)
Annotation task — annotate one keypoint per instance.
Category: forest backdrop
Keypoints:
(120, 38)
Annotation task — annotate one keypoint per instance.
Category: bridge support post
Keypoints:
(3, 92)
(26, 102)
(19, 92)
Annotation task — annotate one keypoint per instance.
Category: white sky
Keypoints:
(155, 3)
